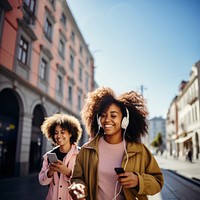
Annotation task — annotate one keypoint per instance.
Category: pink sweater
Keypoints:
(110, 156)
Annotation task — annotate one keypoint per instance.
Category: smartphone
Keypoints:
(119, 170)
(52, 157)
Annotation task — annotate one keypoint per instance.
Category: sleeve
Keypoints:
(152, 180)
(70, 162)
(43, 179)
(78, 172)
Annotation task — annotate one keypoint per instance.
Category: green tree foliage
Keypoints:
(157, 142)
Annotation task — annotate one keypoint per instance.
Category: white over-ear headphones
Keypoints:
(125, 120)
(98, 121)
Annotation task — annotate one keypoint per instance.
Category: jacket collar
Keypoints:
(93, 143)
(133, 148)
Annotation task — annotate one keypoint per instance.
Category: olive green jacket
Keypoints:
(141, 162)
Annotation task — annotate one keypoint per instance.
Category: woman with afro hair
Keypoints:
(64, 131)
(115, 125)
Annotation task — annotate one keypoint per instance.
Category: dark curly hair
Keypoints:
(66, 122)
(100, 100)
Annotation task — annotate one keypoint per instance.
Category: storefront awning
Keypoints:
(183, 139)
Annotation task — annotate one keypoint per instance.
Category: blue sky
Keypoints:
(153, 43)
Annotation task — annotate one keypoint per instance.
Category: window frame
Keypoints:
(43, 70)
(22, 51)
(29, 3)
(49, 21)
(48, 29)
(63, 19)
(70, 94)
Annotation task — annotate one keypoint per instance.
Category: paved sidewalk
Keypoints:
(184, 168)
(22, 188)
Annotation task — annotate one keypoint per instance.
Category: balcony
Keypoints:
(192, 99)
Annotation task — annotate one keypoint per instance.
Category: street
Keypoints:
(179, 179)
(176, 187)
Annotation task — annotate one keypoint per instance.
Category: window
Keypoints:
(48, 29)
(31, 5)
(86, 82)
(63, 19)
(81, 50)
(43, 69)
(62, 44)
(79, 101)
(71, 62)
(73, 36)
(70, 94)
(87, 61)
(61, 48)
(61, 72)
(59, 84)
(23, 51)
(80, 73)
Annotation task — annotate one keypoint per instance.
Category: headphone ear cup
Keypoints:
(124, 123)
(125, 120)
(99, 121)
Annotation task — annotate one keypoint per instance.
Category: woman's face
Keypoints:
(61, 136)
(111, 123)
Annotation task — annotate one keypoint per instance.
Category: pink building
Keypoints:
(45, 67)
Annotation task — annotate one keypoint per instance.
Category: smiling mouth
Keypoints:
(108, 126)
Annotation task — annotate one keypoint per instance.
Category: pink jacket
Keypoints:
(58, 187)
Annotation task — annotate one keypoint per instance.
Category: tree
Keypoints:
(157, 142)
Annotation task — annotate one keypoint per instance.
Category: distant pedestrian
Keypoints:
(189, 155)
(64, 131)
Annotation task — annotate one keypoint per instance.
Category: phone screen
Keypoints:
(119, 170)
(52, 157)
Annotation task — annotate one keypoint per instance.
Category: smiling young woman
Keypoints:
(64, 131)
(115, 125)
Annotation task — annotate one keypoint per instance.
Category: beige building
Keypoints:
(45, 67)
(183, 124)
(172, 127)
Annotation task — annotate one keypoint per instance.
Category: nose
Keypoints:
(107, 118)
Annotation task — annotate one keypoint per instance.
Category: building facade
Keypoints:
(156, 126)
(172, 128)
(45, 67)
(185, 135)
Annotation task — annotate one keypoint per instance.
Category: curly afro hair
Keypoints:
(99, 101)
(67, 122)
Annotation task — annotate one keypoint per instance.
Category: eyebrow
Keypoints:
(60, 130)
(113, 112)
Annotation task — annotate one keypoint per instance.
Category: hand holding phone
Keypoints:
(119, 170)
(52, 157)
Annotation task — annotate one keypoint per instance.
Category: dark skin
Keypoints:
(77, 191)
(128, 179)
(58, 167)
(62, 137)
